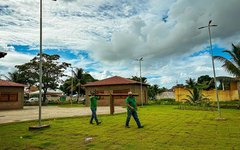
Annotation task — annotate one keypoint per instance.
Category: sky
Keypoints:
(105, 37)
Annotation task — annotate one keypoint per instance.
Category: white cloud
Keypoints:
(116, 32)
(13, 58)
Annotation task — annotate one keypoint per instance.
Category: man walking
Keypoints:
(93, 106)
(132, 110)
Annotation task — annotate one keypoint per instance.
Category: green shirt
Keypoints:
(132, 102)
(93, 101)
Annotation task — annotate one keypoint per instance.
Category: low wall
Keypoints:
(224, 95)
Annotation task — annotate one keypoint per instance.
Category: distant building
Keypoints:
(114, 90)
(228, 90)
(52, 95)
(11, 95)
(167, 94)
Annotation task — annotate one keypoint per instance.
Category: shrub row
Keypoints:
(203, 105)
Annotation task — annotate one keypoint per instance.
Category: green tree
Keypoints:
(232, 65)
(79, 78)
(163, 89)
(135, 78)
(52, 72)
(66, 86)
(153, 90)
(206, 79)
(195, 91)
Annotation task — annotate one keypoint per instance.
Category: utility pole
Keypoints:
(72, 87)
(213, 66)
(140, 67)
(40, 78)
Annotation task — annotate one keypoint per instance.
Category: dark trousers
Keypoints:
(135, 116)
(94, 115)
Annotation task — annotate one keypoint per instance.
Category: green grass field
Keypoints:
(165, 128)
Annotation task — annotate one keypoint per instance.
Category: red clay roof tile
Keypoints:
(115, 80)
(11, 84)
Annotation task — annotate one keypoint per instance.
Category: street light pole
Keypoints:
(40, 78)
(213, 65)
(40, 69)
(140, 66)
(72, 87)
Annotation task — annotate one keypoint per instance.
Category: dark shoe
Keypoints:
(127, 127)
(140, 126)
(91, 123)
(99, 123)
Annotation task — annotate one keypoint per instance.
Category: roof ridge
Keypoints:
(114, 80)
(10, 83)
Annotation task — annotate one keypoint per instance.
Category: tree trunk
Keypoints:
(44, 96)
(78, 93)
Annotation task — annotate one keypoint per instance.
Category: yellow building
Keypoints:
(228, 91)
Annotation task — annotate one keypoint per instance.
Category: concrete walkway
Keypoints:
(31, 113)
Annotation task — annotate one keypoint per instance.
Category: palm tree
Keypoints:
(79, 78)
(135, 78)
(232, 65)
(195, 91)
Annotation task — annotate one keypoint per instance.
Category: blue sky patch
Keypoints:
(152, 76)
(217, 51)
(63, 53)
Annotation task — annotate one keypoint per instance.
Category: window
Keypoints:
(8, 97)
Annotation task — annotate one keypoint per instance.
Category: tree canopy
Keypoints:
(195, 91)
(135, 78)
(207, 80)
(79, 78)
(231, 65)
(52, 72)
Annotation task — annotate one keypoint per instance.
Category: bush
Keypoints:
(235, 104)
(164, 101)
(201, 105)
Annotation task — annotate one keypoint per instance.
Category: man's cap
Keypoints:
(130, 93)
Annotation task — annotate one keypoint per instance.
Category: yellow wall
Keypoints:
(181, 93)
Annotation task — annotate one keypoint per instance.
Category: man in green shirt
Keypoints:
(132, 110)
(93, 106)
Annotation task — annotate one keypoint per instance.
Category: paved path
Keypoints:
(31, 113)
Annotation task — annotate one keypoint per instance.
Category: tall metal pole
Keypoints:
(213, 65)
(140, 62)
(140, 67)
(40, 78)
(40, 69)
(214, 72)
(72, 87)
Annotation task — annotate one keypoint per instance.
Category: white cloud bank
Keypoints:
(164, 32)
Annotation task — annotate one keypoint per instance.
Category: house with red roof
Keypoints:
(114, 90)
(11, 95)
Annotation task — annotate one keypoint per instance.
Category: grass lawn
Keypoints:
(165, 128)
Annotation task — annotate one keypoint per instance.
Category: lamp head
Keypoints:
(209, 22)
